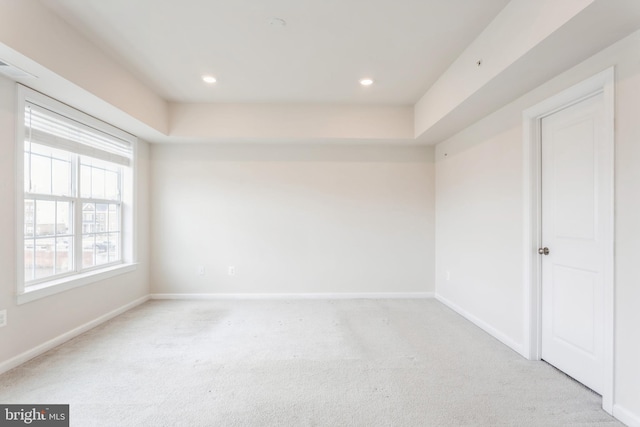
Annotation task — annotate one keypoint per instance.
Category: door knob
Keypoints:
(543, 251)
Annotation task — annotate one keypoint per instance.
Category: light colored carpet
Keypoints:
(298, 363)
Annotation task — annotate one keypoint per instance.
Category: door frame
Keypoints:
(603, 82)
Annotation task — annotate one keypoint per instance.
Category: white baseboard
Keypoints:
(52, 343)
(281, 296)
(627, 417)
(517, 347)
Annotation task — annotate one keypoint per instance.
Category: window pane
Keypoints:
(114, 247)
(63, 222)
(102, 211)
(88, 251)
(97, 183)
(112, 185)
(29, 211)
(114, 218)
(40, 174)
(88, 217)
(45, 251)
(85, 181)
(102, 249)
(64, 255)
(42, 150)
(45, 217)
(61, 177)
(102, 243)
(29, 257)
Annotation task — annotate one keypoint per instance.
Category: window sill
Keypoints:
(56, 286)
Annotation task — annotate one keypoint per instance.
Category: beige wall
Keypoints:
(32, 324)
(292, 219)
(479, 215)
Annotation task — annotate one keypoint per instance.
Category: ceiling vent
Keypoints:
(14, 72)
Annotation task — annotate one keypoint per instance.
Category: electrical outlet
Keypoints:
(201, 270)
(3, 318)
(232, 270)
(448, 275)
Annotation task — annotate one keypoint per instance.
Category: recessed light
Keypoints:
(278, 22)
(366, 82)
(209, 79)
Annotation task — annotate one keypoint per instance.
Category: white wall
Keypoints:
(479, 217)
(479, 227)
(292, 219)
(34, 323)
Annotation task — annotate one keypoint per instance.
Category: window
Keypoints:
(77, 196)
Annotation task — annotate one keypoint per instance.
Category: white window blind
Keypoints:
(48, 128)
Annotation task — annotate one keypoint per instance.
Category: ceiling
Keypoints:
(319, 56)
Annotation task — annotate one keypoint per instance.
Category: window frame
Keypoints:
(127, 202)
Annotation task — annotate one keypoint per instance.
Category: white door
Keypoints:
(575, 211)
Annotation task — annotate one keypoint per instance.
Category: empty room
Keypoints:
(320, 213)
